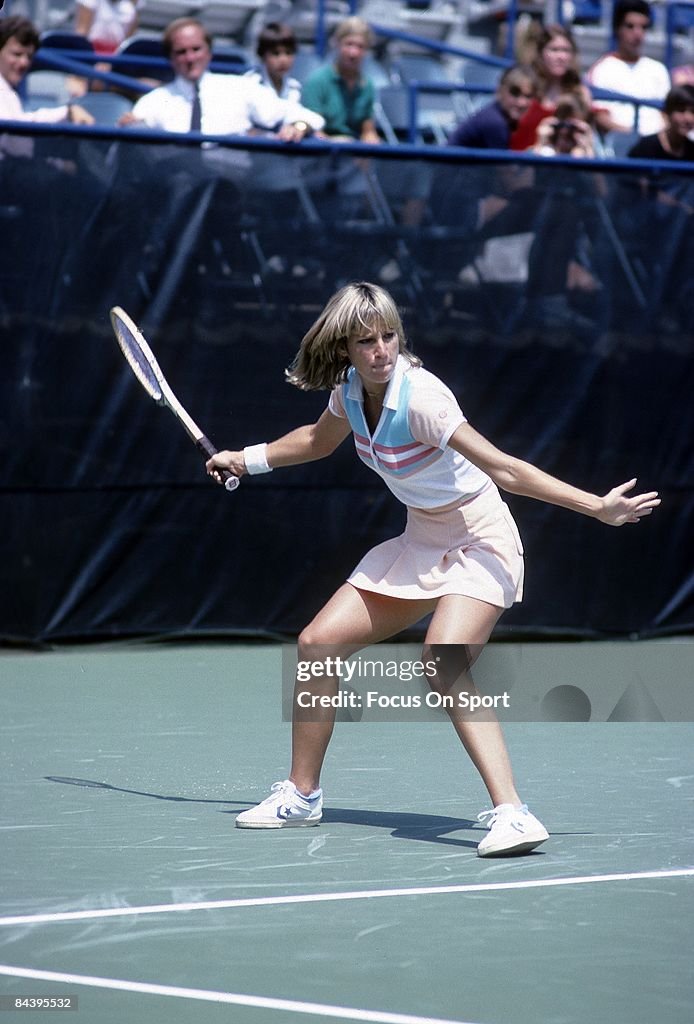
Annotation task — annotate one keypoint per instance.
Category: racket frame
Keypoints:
(166, 397)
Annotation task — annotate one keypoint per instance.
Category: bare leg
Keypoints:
(468, 622)
(351, 619)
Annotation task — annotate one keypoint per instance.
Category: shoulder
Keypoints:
(487, 115)
(320, 76)
(221, 82)
(648, 147)
(433, 412)
(158, 95)
(425, 385)
(608, 62)
(652, 65)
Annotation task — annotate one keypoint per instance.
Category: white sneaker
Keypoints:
(286, 807)
(511, 830)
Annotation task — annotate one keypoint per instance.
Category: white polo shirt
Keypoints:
(409, 447)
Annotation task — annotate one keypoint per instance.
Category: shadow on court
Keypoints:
(429, 828)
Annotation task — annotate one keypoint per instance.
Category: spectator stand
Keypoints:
(679, 25)
(228, 19)
(435, 92)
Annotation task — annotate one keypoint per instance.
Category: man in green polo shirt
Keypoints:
(340, 92)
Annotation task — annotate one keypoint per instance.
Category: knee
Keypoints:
(448, 664)
(313, 644)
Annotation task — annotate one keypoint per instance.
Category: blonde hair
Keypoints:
(322, 361)
(353, 26)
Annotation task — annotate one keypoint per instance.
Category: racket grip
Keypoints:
(231, 482)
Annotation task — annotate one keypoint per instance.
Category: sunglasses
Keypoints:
(516, 91)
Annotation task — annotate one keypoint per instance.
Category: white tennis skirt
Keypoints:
(474, 549)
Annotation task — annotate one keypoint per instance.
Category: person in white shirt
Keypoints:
(460, 557)
(228, 104)
(628, 72)
(19, 41)
(276, 50)
(106, 23)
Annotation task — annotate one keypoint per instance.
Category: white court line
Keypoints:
(337, 897)
(238, 999)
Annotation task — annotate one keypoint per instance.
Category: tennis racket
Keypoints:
(147, 370)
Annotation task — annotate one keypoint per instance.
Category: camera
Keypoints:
(565, 129)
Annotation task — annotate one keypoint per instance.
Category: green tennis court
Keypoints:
(126, 885)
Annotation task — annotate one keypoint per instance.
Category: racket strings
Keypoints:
(140, 365)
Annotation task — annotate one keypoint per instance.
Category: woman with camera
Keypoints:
(557, 73)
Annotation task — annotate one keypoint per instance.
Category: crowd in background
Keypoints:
(337, 100)
(543, 104)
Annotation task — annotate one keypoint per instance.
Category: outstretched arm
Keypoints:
(305, 444)
(519, 477)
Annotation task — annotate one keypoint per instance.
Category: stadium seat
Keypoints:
(418, 67)
(105, 107)
(74, 46)
(61, 40)
(305, 62)
(156, 14)
(153, 66)
(475, 72)
(618, 144)
(46, 89)
(228, 57)
(304, 18)
(429, 23)
(229, 18)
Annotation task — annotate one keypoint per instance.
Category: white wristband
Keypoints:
(255, 457)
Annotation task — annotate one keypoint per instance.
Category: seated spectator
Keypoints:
(106, 23)
(19, 41)
(276, 49)
(627, 71)
(658, 226)
(675, 141)
(340, 91)
(557, 73)
(567, 132)
(491, 126)
(200, 100)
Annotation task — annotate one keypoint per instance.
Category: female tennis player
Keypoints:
(460, 556)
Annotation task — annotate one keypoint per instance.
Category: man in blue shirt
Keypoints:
(491, 127)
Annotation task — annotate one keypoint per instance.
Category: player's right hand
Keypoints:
(233, 462)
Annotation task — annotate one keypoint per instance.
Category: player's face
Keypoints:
(190, 54)
(557, 56)
(15, 61)
(373, 354)
(630, 36)
(279, 62)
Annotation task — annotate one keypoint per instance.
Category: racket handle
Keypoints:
(231, 482)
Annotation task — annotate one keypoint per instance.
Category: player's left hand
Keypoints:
(618, 509)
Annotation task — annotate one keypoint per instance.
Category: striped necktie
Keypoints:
(196, 110)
